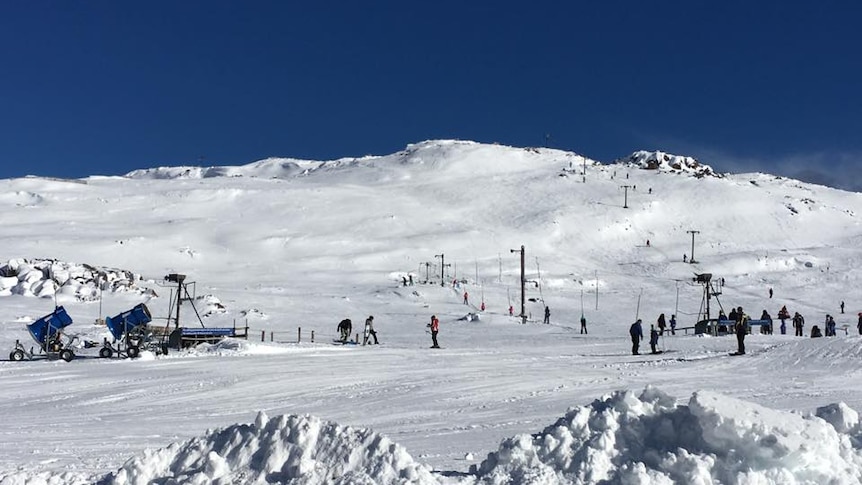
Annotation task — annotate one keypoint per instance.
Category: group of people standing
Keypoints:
(636, 333)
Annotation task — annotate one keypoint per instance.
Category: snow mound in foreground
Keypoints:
(649, 439)
(283, 449)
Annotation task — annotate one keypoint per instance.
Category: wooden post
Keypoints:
(299, 335)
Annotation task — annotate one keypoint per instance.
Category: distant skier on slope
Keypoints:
(435, 327)
(547, 314)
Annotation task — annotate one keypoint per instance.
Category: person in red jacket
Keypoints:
(435, 327)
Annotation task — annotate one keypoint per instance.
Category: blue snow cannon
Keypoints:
(129, 330)
(48, 333)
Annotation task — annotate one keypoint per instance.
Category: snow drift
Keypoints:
(620, 438)
(649, 439)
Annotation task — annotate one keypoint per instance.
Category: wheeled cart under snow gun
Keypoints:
(48, 334)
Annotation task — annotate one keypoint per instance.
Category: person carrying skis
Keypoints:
(547, 314)
(741, 330)
(637, 334)
(369, 330)
(661, 324)
(345, 327)
(653, 339)
(435, 327)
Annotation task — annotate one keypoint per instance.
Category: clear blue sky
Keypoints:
(106, 87)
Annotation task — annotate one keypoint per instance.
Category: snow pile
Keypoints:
(46, 277)
(666, 162)
(283, 449)
(649, 439)
(268, 168)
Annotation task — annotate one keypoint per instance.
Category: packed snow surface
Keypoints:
(288, 248)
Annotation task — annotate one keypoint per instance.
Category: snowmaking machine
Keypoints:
(48, 333)
(131, 334)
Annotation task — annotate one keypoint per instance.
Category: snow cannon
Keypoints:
(130, 333)
(48, 333)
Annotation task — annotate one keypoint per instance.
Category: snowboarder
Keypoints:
(741, 330)
(369, 330)
(798, 323)
(661, 324)
(434, 326)
(815, 332)
(673, 324)
(345, 327)
(584, 324)
(547, 314)
(466, 300)
(653, 339)
(637, 334)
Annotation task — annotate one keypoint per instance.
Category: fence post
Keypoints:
(299, 334)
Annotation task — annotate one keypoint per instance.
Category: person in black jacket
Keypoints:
(637, 334)
(345, 327)
(662, 324)
(741, 330)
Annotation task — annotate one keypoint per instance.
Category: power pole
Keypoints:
(691, 260)
(427, 264)
(443, 266)
(523, 282)
(626, 199)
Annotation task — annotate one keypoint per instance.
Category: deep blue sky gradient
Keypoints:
(106, 87)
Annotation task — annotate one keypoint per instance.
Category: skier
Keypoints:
(842, 306)
(637, 334)
(345, 327)
(783, 315)
(404, 280)
(584, 324)
(684, 258)
(673, 324)
(482, 306)
(466, 301)
(798, 323)
(741, 329)
(653, 339)
(434, 326)
(547, 314)
(829, 326)
(661, 324)
(511, 310)
(411, 279)
(369, 330)
(770, 293)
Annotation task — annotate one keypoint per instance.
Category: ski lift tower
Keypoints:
(179, 279)
(705, 279)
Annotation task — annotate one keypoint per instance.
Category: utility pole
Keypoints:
(523, 281)
(427, 264)
(626, 199)
(443, 266)
(692, 232)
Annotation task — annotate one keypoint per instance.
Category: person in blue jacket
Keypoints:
(637, 334)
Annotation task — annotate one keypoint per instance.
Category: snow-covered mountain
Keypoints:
(291, 247)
